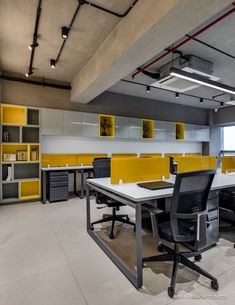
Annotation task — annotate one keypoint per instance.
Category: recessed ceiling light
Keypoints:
(33, 45)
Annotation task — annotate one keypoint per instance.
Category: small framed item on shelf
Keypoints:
(34, 155)
(21, 155)
(9, 157)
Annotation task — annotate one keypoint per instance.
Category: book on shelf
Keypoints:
(9, 173)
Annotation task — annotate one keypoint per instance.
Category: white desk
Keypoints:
(75, 169)
(134, 196)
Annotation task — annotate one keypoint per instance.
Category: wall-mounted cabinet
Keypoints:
(121, 127)
(90, 125)
(164, 131)
(135, 128)
(106, 126)
(147, 129)
(72, 123)
(198, 133)
(52, 122)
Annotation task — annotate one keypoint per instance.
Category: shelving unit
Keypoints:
(20, 154)
(147, 129)
(179, 131)
(106, 126)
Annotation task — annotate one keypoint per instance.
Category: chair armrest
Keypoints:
(154, 212)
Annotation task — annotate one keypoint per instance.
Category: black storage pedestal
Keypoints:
(58, 186)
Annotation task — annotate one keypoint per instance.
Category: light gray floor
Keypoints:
(47, 258)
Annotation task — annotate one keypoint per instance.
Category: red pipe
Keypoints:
(185, 41)
(220, 94)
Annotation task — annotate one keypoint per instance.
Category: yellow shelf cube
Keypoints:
(13, 115)
(29, 189)
(179, 131)
(106, 126)
(147, 129)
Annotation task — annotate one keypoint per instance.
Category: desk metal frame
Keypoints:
(135, 278)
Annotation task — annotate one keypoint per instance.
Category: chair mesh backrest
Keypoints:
(189, 197)
(101, 167)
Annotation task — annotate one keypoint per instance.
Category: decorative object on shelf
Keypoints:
(5, 136)
(107, 126)
(34, 155)
(147, 129)
(9, 157)
(21, 155)
(9, 173)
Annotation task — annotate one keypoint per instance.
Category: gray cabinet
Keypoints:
(72, 123)
(90, 125)
(121, 127)
(199, 133)
(52, 122)
(164, 130)
(135, 128)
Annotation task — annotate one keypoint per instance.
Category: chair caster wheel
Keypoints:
(198, 258)
(127, 218)
(111, 236)
(92, 227)
(171, 292)
(160, 248)
(215, 285)
(234, 246)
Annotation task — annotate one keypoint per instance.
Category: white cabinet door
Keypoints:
(135, 128)
(121, 127)
(90, 125)
(164, 130)
(189, 132)
(52, 122)
(72, 125)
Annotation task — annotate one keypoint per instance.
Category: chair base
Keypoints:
(123, 218)
(180, 258)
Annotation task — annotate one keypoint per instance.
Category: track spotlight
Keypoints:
(177, 95)
(30, 72)
(201, 100)
(33, 45)
(64, 32)
(221, 104)
(52, 63)
(148, 89)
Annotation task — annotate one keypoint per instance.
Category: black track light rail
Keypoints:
(166, 90)
(35, 34)
(82, 2)
(34, 82)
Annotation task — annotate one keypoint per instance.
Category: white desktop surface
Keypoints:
(133, 192)
(57, 168)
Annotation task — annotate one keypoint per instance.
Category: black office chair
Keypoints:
(173, 167)
(227, 209)
(187, 224)
(101, 170)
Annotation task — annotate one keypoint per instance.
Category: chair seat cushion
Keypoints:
(165, 231)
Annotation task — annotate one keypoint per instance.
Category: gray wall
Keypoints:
(225, 116)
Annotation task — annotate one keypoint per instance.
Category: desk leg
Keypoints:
(82, 184)
(88, 209)
(139, 257)
(75, 183)
(44, 187)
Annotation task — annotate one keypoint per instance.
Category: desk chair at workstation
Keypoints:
(173, 167)
(186, 225)
(102, 170)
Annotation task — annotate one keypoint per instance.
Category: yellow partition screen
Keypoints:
(123, 155)
(228, 164)
(174, 156)
(59, 159)
(87, 159)
(150, 155)
(193, 154)
(130, 170)
(189, 164)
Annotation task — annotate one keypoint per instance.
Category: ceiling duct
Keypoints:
(189, 63)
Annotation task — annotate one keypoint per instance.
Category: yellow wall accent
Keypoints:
(175, 156)
(139, 169)
(13, 115)
(69, 159)
(179, 131)
(193, 154)
(228, 164)
(106, 126)
(29, 189)
(147, 129)
(124, 155)
(189, 164)
(150, 155)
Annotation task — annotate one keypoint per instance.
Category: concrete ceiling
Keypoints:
(91, 27)
(222, 37)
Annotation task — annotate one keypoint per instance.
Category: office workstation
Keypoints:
(117, 152)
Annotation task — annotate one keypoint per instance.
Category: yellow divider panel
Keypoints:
(189, 164)
(193, 154)
(139, 169)
(175, 156)
(228, 164)
(150, 155)
(87, 159)
(123, 155)
(59, 159)
(13, 115)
